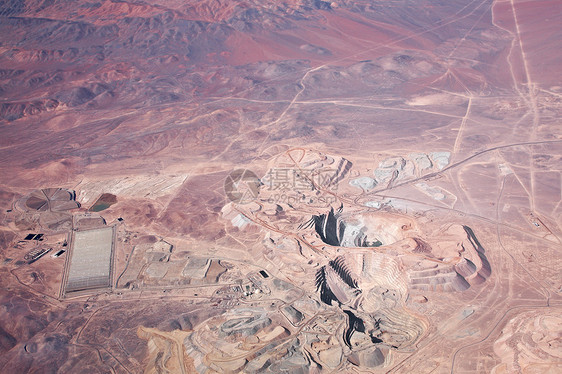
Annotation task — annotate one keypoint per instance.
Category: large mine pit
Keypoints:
(360, 230)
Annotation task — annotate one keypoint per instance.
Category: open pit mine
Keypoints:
(368, 270)
(282, 187)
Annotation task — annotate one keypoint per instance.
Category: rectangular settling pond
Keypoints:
(90, 262)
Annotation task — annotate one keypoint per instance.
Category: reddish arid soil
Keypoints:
(295, 187)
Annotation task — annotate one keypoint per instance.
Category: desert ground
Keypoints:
(305, 186)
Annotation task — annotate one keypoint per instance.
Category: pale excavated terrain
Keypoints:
(402, 214)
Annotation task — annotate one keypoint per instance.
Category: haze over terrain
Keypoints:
(257, 186)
